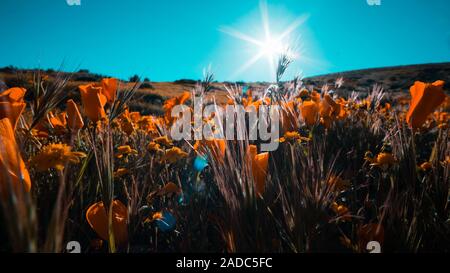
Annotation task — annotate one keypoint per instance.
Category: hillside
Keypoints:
(394, 79)
(151, 94)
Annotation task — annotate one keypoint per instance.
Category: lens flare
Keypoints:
(271, 46)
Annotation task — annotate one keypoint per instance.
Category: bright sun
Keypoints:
(270, 46)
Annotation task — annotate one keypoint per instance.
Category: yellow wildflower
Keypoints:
(164, 141)
(384, 159)
(56, 155)
(148, 123)
(173, 154)
(125, 150)
(155, 147)
(292, 136)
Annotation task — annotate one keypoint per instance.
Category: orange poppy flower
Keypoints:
(12, 167)
(12, 111)
(335, 107)
(98, 220)
(259, 165)
(383, 159)
(248, 100)
(425, 99)
(329, 110)
(75, 120)
(93, 101)
(14, 94)
(177, 100)
(59, 121)
(172, 102)
(164, 141)
(126, 123)
(315, 96)
(310, 111)
(12, 104)
(343, 112)
(109, 88)
(325, 109)
(56, 123)
(173, 154)
(289, 116)
(217, 147)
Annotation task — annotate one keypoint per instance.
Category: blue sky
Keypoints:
(174, 39)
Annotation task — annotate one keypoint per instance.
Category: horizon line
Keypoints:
(86, 70)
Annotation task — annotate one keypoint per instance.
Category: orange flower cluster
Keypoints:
(428, 107)
(172, 102)
(58, 124)
(13, 172)
(95, 96)
(55, 155)
(314, 109)
(12, 167)
(425, 99)
(382, 159)
(12, 104)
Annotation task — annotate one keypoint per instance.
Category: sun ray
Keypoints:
(265, 18)
(269, 46)
(248, 64)
(297, 23)
(242, 36)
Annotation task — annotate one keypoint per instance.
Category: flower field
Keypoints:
(348, 170)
